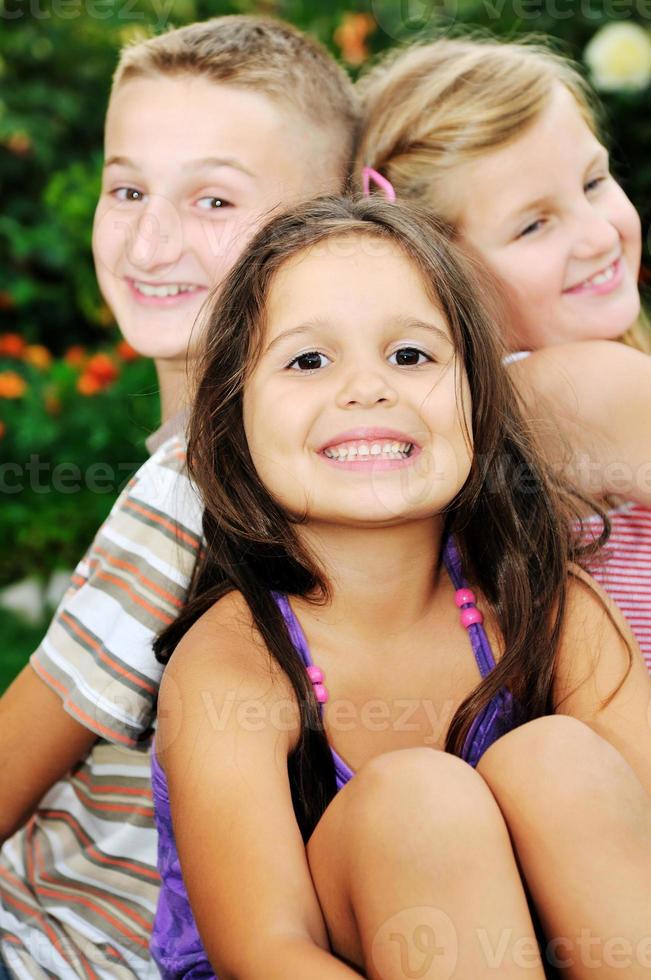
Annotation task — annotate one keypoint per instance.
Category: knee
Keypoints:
(556, 758)
(410, 794)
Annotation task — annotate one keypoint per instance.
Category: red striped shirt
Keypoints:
(624, 570)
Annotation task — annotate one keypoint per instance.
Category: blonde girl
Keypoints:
(501, 141)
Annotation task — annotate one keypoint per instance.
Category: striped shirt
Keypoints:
(79, 883)
(624, 570)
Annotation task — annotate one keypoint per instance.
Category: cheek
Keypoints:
(630, 229)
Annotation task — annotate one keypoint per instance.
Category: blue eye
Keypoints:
(128, 194)
(409, 357)
(310, 361)
(213, 203)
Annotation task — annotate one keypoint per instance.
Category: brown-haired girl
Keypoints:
(388, 593)
(502, 142)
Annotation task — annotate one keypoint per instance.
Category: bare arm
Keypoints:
(590, 404)
(39, 742)
(228, 721)
(593, 658)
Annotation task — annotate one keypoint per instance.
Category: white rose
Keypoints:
(619, 57)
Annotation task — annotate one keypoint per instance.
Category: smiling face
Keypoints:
(560, 233)
(357, 411)
(192, 169)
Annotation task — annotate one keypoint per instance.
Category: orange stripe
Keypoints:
(57, 685)
(69, 895)
(121, 584)
(88, 845)
(35, 913)
(127, 566)
(39, 858)
(92, 723)
(85, 778)
(102, 653)
(164, 522)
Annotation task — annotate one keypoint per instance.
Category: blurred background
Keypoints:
(76, 403)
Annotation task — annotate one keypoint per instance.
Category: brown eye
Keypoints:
(310, 361)
(409, 357)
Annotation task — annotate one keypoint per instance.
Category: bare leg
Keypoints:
(581, 826)
(416, 874)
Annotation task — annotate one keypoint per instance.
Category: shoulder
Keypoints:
(221, 676)
(581, 375)
(597, 648)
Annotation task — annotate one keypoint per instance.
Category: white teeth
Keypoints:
(601, 277)
(171, 289)
(389, 450)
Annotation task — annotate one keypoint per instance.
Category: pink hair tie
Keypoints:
(368, 175)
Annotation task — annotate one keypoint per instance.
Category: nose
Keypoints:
(366, 387)
(597, 235)
(157, 237)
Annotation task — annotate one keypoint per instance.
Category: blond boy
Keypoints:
(210, 129)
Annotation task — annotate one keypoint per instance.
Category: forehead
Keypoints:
(350, 279)
(164, 122)
(556, 147)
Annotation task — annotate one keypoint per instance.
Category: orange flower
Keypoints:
(19, 143)
(75, 355)
(3, 429)
(350, 37)
(12, 345)
(12, 385)
(103, 368)
(88, 384)
(52, 401)
(126, 351)
(38, 355)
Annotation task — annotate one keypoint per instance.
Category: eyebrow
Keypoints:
(402, 323)
(203, 163)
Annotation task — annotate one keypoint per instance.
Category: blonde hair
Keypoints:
(436, 106)
(266, 55)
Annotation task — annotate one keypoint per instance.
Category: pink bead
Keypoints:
(315, 674)
(463, 597)
(470, 616)
(321, 693)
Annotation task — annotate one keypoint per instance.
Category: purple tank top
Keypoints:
(175, 943)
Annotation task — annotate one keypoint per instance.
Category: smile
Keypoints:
(363, 451)
(602, 281)
(162, 290)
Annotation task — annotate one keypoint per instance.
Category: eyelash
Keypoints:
(127, 190)
(591, 185)
(121, 194)
(298, 357)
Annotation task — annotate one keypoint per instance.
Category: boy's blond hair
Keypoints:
(432, 108)
(268, 56)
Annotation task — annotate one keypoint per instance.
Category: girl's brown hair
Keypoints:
(509, 520)
(437, 106)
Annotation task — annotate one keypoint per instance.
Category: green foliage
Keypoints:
(56, 61)
(65, 455)
(19, 640)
